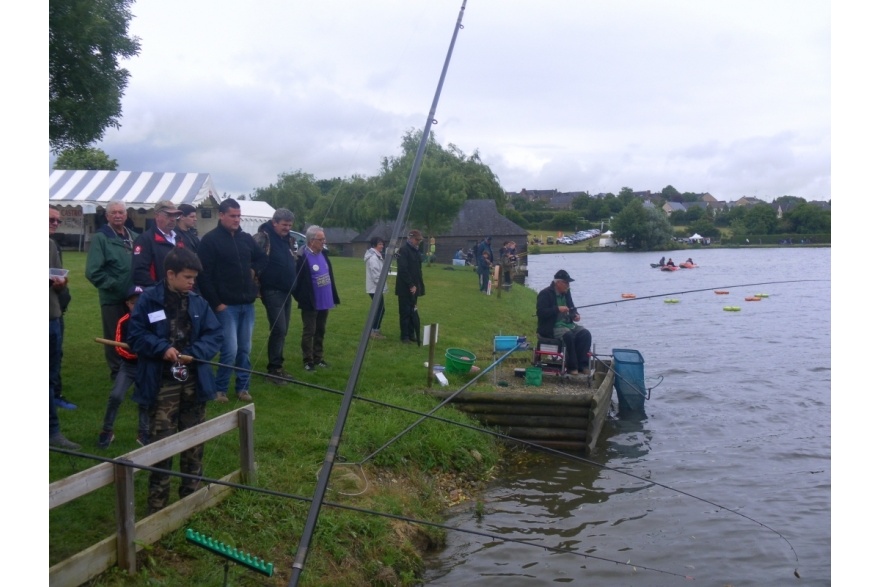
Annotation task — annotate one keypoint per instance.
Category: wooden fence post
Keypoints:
(247, 463)
(126, 552)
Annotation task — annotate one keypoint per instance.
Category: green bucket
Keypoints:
(534, 376)
(459, 360)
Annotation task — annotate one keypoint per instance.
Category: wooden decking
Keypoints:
(561, 415)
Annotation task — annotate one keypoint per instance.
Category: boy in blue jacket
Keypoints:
(169, 322)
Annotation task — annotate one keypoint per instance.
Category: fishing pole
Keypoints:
(335, 439)
(678, 293)
(398, 517)
(501, 436)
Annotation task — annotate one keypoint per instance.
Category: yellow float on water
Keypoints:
(671, 301)
(731, 308)
(762, 295)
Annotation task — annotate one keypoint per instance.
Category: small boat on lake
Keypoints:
(687, 265)
(669, 268)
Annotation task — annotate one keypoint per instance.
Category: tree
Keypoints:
(642, 228)
(85, 158)
(87, 38)
(670, 194)
(808, 219)
(295, 191)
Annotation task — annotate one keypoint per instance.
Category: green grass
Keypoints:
(293, 427)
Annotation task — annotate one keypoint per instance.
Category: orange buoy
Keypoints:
(628, 296)
(753, 299)
(721, 292)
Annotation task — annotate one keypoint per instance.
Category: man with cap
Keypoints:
(557, 315)
(484, 262)
(151, 247)
(108, 268)
(409, 285)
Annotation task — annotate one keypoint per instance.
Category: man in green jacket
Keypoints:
(108, 268)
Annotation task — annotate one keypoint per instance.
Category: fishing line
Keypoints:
(674, 293)
(547, 450)
(398, 517)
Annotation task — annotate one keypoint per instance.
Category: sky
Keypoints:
(727, 97)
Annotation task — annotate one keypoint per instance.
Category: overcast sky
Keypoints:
(727, 97)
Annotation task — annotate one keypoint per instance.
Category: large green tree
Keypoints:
(297, 191)
(642, 228)
(87, 40)
(85, 158)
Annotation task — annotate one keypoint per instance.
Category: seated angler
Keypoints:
(557, 315)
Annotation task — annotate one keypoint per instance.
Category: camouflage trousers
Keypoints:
(176, 409)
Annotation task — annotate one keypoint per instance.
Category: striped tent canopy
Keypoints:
(137, 189)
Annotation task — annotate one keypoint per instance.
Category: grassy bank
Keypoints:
(417, 476)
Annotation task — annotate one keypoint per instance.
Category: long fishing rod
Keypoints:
(335, 439)
(496, 434)
(678, 293)
(398, 517)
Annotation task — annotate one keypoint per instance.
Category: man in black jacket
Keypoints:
(150, 248)
(276, 286)
(556, 319)
(409, 286)
(231, 260)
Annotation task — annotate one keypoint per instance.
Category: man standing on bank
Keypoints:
(108, 268)
(152, 245)
(315, 294)
(409, 286)
(231, 260)
(557, 315)
(276, 286)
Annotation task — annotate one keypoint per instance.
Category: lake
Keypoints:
(741, 419)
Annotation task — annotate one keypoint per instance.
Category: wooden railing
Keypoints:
(121, 548)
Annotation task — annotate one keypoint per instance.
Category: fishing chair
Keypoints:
(550, 355)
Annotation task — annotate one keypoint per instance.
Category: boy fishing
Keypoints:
(170, 323)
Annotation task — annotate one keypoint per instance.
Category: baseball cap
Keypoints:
(167, 207)
(563, 275)
(134, 290)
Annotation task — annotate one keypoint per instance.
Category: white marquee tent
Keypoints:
(79, 193)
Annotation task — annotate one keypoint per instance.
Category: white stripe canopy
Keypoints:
(136, 189)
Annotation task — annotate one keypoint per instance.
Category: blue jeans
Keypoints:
(238, 329)
(54, 366)
(56, 332)
(377, 323)
(277, 305)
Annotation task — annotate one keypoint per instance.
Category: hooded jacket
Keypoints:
(280, 273)
(149, 337)
(109, 264)
(374, 262)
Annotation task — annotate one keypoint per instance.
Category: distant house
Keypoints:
(670, 207)
(748, 201)
(476, 220)
(339, 240)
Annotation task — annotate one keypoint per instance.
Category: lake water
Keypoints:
(742, 419)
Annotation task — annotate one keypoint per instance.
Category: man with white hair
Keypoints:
(108, 268)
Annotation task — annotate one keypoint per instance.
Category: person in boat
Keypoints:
(689, 261)
(670, 262)
(557, 317)
(662, 261)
